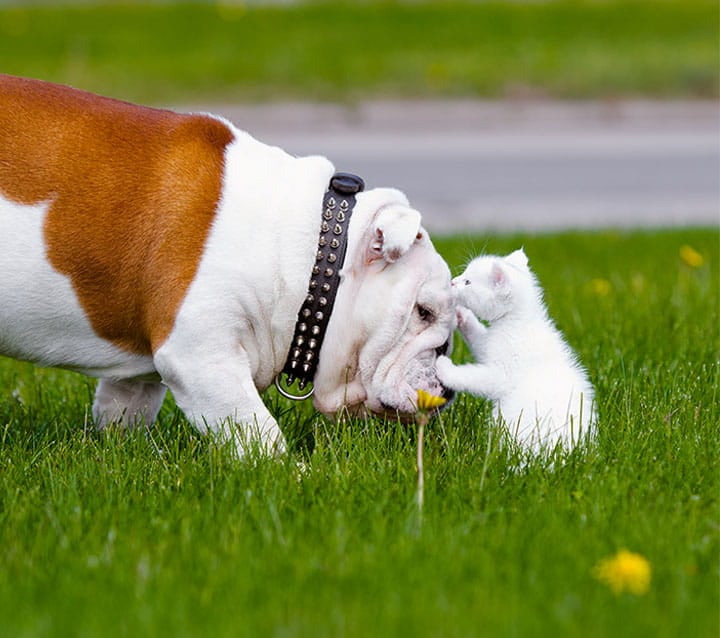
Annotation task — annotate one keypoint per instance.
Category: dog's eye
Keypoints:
(467, 282)
(425, 313)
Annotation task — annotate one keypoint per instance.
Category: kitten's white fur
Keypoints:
(524, 365)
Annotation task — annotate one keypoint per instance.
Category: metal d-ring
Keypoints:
(286, 393)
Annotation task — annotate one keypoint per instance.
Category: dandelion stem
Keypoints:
(420, 497)
(483, 473)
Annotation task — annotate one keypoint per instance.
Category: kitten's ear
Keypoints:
(498, 276)
(518, 259)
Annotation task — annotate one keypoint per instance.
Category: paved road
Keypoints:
(485, 166)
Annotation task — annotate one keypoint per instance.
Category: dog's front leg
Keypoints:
(218, 395)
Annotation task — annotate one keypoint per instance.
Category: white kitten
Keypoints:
(524, 366)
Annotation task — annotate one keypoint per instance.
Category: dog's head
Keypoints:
(393, 316)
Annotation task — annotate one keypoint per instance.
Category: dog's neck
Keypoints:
(314, 314)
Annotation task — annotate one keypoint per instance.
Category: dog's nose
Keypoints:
(441, 350)
(448, 394)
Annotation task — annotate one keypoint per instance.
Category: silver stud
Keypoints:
(322, 242)
(344, 204)
(300, 340)
(302, 327)
(296, 353)
(319, 315)
(293, 364)
(338, 229)
(334, 242)
(332, 257)
(306, 368)
(324, 228)
(312, 344)
(306, 312)
(316, 330)
(331, 202)
(309, 356)
(320, 255)
(313, 284)
(329, 272)
(325, 287)
(340, 216)
(322, 301)
(309, 299)
(316, 270)
(328, 214)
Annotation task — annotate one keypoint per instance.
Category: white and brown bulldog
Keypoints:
(161, 250)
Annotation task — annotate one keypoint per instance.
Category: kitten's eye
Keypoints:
(425, 313)
(467, 282)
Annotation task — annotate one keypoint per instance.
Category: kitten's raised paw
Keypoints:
(445, 371)
(464, 315)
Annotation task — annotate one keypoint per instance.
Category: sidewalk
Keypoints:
(516, 166)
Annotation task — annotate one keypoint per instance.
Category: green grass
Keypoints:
(164, 535)
(353, 51)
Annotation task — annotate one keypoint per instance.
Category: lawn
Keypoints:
(351, 51)
(163, 534)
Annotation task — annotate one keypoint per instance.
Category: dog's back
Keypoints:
(116, 197)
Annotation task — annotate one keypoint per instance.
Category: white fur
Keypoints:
(40, 317)
(233, 330)
(524, 365)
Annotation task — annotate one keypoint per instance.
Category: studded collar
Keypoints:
(314, 314)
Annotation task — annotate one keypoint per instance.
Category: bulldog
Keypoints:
(157, 250)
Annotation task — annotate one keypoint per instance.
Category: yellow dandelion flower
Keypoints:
(600, 287)
(626, 571)
(427, 401)
(691, 257)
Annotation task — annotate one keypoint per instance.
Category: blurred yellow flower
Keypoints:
(600, 287)
(626, 571)
(691, 257)
(638, 283)
(427, 401)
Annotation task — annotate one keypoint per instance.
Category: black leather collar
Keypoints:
(314, 315)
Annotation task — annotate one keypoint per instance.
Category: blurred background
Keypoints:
(492, 116)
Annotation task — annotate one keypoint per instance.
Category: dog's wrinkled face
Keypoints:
(394, 315)
(418, 320)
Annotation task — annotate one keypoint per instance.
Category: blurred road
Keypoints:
(525, 166)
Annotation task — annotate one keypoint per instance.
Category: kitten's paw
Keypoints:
(446, 371)
(464, 316)
(469, 325)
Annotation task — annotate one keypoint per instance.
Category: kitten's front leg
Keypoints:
(474, 378)
(472, 331)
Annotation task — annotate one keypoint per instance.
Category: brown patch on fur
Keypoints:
(133, 192)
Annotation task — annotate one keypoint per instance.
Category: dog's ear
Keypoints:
(396, 228)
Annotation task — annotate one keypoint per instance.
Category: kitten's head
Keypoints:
(493, 286)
